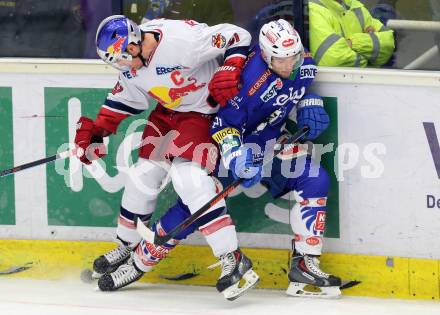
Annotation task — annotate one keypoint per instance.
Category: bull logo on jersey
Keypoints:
(218, 40)
(172, 97)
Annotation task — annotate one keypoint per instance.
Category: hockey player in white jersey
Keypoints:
(188, 68)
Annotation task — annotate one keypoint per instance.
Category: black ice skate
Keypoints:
(308, 280)
(123, 276)
(235, 267)
(110, 261)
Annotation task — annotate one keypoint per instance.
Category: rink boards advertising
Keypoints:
(382, 153)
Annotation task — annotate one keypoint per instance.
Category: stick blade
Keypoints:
(144, 231)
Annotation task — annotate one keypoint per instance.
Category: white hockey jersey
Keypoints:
(179, 70)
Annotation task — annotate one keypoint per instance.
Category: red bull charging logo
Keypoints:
(172, 97)
(116, 47)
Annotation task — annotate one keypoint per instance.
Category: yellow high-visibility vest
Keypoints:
(332, 23)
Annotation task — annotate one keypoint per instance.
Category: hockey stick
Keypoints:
(287, 144)
(14, 269)
(61, 155)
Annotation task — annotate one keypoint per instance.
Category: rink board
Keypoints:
(382, 153)
(379, 276)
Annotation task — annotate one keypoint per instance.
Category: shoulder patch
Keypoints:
(218, 40)
(308, 71)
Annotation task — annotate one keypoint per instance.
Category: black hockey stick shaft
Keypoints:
(288, 144)
(61, 155)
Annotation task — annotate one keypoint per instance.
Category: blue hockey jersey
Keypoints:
(259, 112)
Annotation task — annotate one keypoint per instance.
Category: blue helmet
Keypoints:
(112, 37)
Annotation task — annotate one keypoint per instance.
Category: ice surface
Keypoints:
(24, 296)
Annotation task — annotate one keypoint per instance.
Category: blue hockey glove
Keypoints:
(242, 166)
(311, 113)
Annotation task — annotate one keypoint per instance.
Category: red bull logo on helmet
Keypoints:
(116, 47)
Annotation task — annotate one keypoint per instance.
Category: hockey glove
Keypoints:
(311, 113)
(242, 166)
(225, 83)
(89, 144)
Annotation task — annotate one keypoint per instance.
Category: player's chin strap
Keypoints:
(150, 236)
(139, 55)
(144, 62)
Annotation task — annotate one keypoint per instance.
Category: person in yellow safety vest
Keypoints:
(343, 33)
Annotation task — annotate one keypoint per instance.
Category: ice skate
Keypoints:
(235, 267)
(126, 273)
(308, 280)
(110, 261)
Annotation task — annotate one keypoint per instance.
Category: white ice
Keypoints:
(34, 297)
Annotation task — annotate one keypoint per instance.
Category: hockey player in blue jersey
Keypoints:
(275, 82)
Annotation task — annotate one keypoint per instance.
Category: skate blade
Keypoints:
(89, 276)
(251, 279)
(311, 291)
(96, 275)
